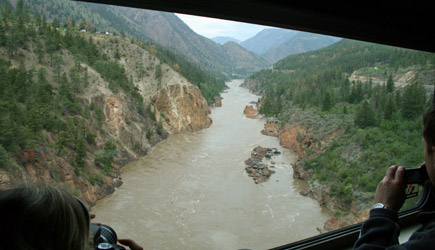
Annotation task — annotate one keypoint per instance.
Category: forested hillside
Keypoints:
(75, 106)
(357, 107)
(161, 28)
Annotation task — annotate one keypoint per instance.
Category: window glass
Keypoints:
(181, 142)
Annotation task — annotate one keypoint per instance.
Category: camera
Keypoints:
(105, 238)
(416, 175)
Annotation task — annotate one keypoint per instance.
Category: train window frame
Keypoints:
(344, 238)
(307, 20)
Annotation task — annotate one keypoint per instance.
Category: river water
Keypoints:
(191, 191)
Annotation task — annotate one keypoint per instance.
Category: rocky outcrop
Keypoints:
(181, 108)
(259, 171)
(250, 112)
(126, 126)
(217, 101)
(299, 138)
(291, 136)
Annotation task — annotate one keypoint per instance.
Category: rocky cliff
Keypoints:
(181, 107)
(112, 127)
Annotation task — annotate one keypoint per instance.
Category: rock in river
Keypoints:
(259, 171)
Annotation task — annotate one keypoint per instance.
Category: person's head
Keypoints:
(429, 142)
(42, 218)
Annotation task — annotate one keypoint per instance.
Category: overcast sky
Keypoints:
(212, 27)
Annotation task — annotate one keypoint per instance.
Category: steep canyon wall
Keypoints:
(170, 105)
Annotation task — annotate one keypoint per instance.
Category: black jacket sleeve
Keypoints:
(379, 231)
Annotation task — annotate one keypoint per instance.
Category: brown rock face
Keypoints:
(271, 128)
(290, 137)
(217, 101)
(116, 114)
(181, 108)
(123, 124)
(250, 112)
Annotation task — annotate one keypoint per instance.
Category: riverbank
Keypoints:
(306, 144)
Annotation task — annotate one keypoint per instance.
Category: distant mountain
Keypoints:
(300, 43)
(158, 27)
(268, 39)
(168, 30)
(224, 39)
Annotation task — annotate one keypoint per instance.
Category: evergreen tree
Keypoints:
(398, 98)
(2, 34)
(390, 84)
(80, 152)
(39, 51)
(413, 101)
(11, 41)
(6, 12)
(327, 103)
(356, 93)
(345, 109)
(390, 108)
(365, 116)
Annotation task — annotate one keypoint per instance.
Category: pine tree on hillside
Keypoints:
(365, 116)
(390, 108)
(390, 84)
(413, 101)
(356, 93)
(327, 103)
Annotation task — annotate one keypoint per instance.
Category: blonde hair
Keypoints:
(45, 218)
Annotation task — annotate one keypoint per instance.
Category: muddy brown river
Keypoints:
(191, 191)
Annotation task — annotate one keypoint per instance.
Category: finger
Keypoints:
(391, 172)
(423, 165)
(400, 175)
(130, 243)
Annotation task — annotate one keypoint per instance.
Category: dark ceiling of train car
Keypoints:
(408, 25)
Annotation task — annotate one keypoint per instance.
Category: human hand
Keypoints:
(130, 243)
(391, 190)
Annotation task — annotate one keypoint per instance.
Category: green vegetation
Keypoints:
(44, 106)
(34, 101)
(104, 159)
(381, 122)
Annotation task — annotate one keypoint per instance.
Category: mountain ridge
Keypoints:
(224, 39)
(267, 39)
(151, 26)
(299, 43)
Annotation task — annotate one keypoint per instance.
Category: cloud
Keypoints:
(212, 27)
